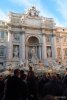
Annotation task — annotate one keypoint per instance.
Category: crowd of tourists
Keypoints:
(21, 86)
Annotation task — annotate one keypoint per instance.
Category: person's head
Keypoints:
(49, 97)
(21, 72)
(30, 68)
(1, 77)
(16, 72)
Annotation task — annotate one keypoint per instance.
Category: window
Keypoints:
(63, 29)
(65, 39)
(1, 51)
(1, 63)
(3, 34)
(65, 51)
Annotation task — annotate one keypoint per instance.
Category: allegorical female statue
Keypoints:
(49, 52)
(34, 56)
(16, 51)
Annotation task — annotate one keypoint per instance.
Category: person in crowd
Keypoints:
(20, 86)
(30, 72)
(13, 87)
(65, 94)
(24, 89)
(1, 87)
(53, 87)
(32, 87)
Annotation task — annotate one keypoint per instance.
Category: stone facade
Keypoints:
(24, 35)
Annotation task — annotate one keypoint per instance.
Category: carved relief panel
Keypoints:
(16, 36)
(48, 39)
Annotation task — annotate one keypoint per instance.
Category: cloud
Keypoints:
(2, 15)
(62, 8)
(45, 12)
(22, 2)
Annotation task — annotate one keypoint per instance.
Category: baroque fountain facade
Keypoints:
(30, 39)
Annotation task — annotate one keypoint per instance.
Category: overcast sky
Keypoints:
(56, 9)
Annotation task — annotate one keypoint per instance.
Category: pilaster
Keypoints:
(61, 46)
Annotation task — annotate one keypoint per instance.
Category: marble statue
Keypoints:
(34, 56)
(16, 51)
(49, 52)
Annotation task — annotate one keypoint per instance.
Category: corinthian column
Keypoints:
(40, 52)
(44, 47)
(53, 45)
(10, 45)
(23, 46)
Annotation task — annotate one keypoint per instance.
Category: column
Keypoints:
(40, 52)
(10, 53)
(53, 45)
(23, 46)
(44, 47)
(27, 49)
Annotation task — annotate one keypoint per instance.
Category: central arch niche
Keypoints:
(33, 47)
(33, 40)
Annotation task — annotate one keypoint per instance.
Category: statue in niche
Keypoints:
(16, 51)
(48, 52)
(34, 56)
